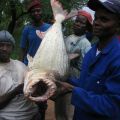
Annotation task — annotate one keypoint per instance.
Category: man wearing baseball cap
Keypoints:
(96, 94)
(13, 104)
(77, 46)
(7, 39)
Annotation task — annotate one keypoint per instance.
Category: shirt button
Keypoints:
(98, 82)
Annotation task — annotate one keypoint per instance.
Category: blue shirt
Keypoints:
(97, 92)
(31, 40)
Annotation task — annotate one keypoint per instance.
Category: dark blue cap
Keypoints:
(111, 5)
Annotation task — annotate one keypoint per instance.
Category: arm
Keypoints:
(6, 98)
(73, 56)
(106, 104)
(24, 43)
(62, 89)
(73, 81)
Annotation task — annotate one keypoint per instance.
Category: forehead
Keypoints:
(36, 9)
(105, 13)
(5, 43)
(81, 17)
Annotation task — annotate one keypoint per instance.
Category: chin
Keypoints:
(98, 34)
(4, 61)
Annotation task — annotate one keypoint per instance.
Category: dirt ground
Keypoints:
(50, 111)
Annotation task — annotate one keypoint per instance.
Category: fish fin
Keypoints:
(30, 60)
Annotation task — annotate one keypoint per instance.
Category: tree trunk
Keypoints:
(12, 23)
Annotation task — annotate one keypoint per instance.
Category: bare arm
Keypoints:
(62, 89)
(6, 98)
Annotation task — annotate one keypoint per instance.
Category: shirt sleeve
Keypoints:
(23, 41)
(106, 104)
(86, 46)
(73, 81)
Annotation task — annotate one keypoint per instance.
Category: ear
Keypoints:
(118, 25)
(13, 47)
(118, 28)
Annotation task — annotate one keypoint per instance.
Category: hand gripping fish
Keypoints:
(50, 57)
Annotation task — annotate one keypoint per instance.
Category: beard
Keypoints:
(4, 57)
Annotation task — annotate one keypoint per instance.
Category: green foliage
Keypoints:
(14, 11)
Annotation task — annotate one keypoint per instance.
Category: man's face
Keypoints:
(36, 14)
(105, 24)
(5, 51)
(80, 25)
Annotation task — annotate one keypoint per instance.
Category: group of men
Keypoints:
(96, 93)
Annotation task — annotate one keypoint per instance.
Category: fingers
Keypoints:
(40, 34)
(56, 3)
(72, 14)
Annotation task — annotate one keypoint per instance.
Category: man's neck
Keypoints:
(103, 42)
(4, 61)
(36, 23)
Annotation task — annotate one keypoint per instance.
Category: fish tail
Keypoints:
(58, 11)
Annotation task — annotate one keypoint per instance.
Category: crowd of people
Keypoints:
(94, 73)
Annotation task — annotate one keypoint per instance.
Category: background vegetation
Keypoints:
(13, 16)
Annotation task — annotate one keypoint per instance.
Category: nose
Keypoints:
(4, 47)
(36, 12)
(77, 23)
(96, 22)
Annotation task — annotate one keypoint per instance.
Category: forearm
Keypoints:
(95, 103)
(73, 81)
(62, 89)
(6, 98)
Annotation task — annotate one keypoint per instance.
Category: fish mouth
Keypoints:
(41, 89)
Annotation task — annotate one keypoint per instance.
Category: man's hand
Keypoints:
(40, 34)
(73, 56)
(6, 98)
(62, 89)
(19, 89)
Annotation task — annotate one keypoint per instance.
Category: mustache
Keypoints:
(3, 52)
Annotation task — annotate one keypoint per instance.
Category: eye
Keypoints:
(36, 10)
(1, 45)
(104, 19)
(101, 18)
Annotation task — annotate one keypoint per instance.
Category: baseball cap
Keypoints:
(34, 4)
(111, 5)
(87, 15)
(5, 36)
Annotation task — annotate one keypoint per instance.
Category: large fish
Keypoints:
(51, 58)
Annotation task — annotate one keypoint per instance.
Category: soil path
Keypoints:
(50, 111)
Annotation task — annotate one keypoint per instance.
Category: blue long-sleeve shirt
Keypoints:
(97, 92)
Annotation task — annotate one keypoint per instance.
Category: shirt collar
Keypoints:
(111, 44)
(82, 37)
